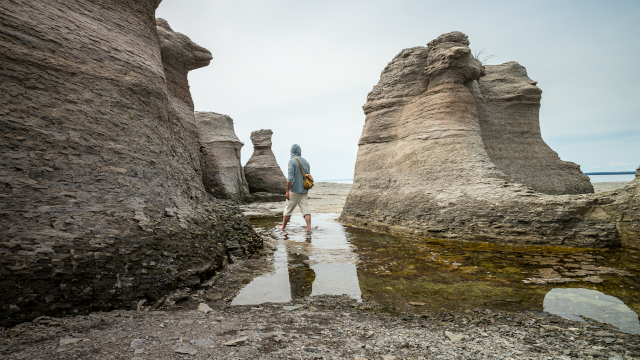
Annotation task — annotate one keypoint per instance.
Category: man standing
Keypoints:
(296, 193)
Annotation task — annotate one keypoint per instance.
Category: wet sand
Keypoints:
(608, 186)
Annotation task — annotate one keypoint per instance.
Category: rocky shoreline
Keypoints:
(200, 324)
(319, 328)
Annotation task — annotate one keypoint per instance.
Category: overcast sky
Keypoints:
(304, 68)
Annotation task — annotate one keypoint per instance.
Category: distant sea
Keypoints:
(611, 178)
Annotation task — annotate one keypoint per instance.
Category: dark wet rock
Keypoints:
(262, 171)
(103, 203)
(425, 163)
(268, 197)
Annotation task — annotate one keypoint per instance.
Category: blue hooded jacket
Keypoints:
(294, 175)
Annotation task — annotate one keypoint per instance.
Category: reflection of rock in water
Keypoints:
(573, 303)
(301, 276)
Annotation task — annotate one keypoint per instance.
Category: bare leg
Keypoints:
(285, 220)
(307, 218)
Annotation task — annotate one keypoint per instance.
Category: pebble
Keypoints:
(69, 341)
(291, 308)
(454, 336)
(237, 341)
(138, 342)
(186, 349)
(204, 308)
(203, 342)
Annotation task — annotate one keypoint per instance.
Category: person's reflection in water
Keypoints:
(301, 275)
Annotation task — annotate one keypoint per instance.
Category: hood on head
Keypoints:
(295, 150)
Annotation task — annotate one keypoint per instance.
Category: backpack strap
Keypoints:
(301, 170)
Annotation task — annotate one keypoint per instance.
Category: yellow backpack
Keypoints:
(308, 179)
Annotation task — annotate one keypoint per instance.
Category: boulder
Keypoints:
(508, 111)
(103, 203)
(423, 167)
(262, 171)
(221, 149)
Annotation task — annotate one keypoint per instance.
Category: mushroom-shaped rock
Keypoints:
(221, 148)
(179, 56)
(425, 165)
(102, 197)
(262, 171)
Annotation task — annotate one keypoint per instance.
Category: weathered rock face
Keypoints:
(102, 198)
(179, 56)
(423, 167)
(508, 110)
(221, 149)
(262, 171)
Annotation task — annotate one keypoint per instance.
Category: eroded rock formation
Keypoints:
(103, 203)
(423, 166)
(262, 171)
(179, 56)
(508, 111)
(221, 148)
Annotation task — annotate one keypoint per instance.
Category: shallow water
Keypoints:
(393, 271)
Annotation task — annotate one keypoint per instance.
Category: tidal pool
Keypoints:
(447, 275)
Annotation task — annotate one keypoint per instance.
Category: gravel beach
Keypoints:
(201, 324)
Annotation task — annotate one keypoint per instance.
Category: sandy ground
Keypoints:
(326, 197)
(608, 186)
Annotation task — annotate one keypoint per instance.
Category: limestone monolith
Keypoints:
(103, 203)
(424, 168)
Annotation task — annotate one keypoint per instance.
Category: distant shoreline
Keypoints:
(612, 173)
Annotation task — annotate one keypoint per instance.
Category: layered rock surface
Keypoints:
(221, 149)
(103, 203)
(423, 166)
(262, 171)
(508, 111)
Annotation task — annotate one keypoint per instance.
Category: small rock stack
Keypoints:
(262, 171)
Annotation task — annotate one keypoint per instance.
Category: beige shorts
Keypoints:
(301, 200)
